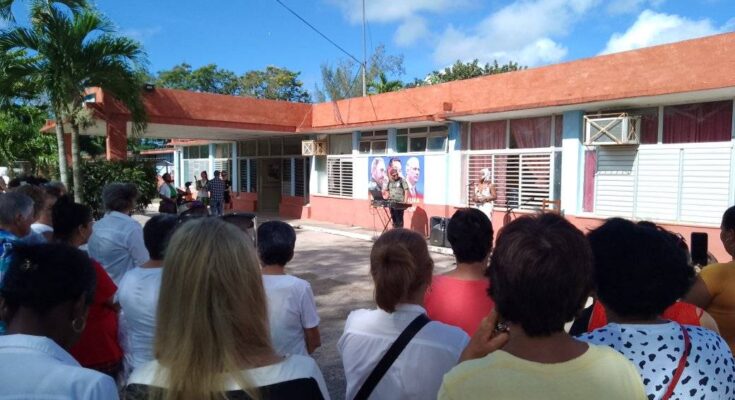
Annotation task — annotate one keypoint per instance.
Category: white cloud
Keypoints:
(410, 31)
(412, 26)
(141, 34)
(393, 10)
(652, 28)
(523, 31)
(617, 7)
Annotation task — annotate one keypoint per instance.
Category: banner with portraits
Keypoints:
(409, 168)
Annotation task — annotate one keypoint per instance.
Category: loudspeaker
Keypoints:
(438, 235)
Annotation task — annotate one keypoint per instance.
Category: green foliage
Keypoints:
(345, 81)
(468, 70)
(383, 85)
(275, 84)
(99, 173)
(272, 83)
(21, 140)
(207, 79)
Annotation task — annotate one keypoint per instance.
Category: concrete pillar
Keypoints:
(210, 168)
(453, 176)
(235, 171)
(117, 139)
(572, 162)
(355, 142)
(392, 141)
(178, 182)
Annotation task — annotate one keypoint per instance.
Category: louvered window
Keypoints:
(339, 176)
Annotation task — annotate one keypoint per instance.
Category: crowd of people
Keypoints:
(194, 308)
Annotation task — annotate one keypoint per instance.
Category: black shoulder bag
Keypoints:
(390, 356)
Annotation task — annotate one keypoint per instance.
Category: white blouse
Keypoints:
(35, 367)
(417, 372)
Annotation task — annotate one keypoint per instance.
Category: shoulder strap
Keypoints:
(680, 368)
(390, 356)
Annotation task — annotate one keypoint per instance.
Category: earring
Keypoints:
(75, 324)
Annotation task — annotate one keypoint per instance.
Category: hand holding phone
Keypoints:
(699, 248)
(490, 336)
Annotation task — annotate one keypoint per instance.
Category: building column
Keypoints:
(117, 139)
(453, 175)
(235, 171)
(210, 169)
(572, 162)
(355, 143)
(177, 168)
(392, 141)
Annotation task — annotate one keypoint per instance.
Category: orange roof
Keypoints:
(693, 65)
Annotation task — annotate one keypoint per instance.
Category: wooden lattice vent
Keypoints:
(314, 148)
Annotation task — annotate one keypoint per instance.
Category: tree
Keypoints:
(344, 80)
(207, 79)
(468, 70)
(71, 50)
(274, 83)
(7, 83)
(22, 140)
(383, 85)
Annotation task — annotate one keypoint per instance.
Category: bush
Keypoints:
(99, 173)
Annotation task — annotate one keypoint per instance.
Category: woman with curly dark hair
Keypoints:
(640, 271)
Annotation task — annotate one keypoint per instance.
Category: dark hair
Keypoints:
(470, 233)
(52, 190)
(276, 242)
(639, 271)
(216, 173)
(36, 194)
(26, 180)
(157, 232)
(540, 273)
(728, 219)
(165, 175)
(399, 264)
(67, 216)
(43, 276)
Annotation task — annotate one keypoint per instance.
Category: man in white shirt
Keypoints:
(294, 322)
(117, 239)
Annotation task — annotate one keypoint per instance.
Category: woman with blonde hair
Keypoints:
(212, 337)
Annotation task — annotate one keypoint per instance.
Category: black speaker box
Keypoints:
(438, 234)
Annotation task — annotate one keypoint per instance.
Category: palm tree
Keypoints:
(72, 51)
(383, 85)
(9, 86)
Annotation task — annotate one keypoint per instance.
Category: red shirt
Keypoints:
(683, 313)
(98, 345)
(458, 302)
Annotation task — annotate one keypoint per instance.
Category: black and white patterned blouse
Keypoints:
(656, 350)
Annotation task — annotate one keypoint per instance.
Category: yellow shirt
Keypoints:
(600, 373)
(720, 282)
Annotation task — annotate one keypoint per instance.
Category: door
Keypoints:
(269, 184)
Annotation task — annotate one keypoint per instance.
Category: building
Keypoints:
(531, 127)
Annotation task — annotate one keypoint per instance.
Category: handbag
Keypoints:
(390, 356)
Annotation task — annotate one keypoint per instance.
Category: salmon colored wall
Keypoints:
(698, 64)
(293, 207)
(181, 107)
(245, 201)
(358, 212)
(117, 139)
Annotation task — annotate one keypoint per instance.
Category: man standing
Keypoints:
(216, 188)
(397, 191)
(16, 217)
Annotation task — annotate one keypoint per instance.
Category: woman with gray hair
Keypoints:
(117, 239)
(485, 193)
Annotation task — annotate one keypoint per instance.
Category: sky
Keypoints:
(242, 35)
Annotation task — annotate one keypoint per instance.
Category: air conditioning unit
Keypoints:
(612, 129)
(314, 148)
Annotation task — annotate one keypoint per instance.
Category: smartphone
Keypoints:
(699, 248)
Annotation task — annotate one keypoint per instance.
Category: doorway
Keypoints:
(269, 184)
